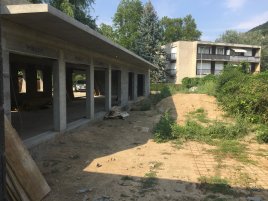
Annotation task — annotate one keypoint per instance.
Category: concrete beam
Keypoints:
(108, 88)
(90, 103)
(6, 84)
(59, 94)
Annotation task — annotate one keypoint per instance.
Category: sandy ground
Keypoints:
(118, 160)
(180, 105)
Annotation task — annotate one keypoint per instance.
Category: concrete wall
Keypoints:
(186, 60)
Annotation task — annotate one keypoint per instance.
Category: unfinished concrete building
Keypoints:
(42, 49)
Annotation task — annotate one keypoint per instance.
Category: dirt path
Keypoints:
(118, 159)
(180, 105)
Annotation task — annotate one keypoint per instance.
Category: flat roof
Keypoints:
(49, 20)
(215, 43)
(227, 44)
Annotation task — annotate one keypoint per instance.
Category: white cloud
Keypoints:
(234, 5)
(253, 22)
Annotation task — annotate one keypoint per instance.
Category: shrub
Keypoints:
(244, 94)
(262, 134)
(208, 87)
(190, 82)
(163, 129)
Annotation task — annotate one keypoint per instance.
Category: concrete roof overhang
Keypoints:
(49, 20)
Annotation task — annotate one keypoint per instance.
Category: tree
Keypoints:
(126, 22)
(249, 38)
(107, 31)
(172, 28)
(179, 29)
(150, 35)
(189, 29)
(79, 9)
(230, 36)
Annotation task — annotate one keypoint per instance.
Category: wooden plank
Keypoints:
(11, 191)
(16, 184)
(23, 166)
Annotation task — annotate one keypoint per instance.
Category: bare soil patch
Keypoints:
(179, 105)
(118, 160)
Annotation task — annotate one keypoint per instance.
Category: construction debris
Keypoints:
(116, 113)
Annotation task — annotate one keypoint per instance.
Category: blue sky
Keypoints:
(213, 17)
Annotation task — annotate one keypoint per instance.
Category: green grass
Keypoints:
(199, 114)
(231, 149)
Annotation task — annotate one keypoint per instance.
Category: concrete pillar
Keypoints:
(90, 103)
(135, 86)
(6, 84)
(59, 94)
(124, 87)
(108, 88)
(147, 83)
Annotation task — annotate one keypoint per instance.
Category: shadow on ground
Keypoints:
(117, 160)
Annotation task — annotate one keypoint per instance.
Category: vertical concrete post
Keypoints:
(59, 94)
(124, 87)
(6, 83)
(147, 83)
(135, 86)
(108, 88)
(2, 131)
(90, 103)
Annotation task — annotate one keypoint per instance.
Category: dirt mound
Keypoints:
(180, 105)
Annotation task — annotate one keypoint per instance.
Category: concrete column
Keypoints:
(90, 103)
(59, 94)
(108, 88)
(6, 84)
(124, 87)
(147, 83)
(135, 86)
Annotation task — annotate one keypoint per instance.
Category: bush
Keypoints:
(160, 86)
(244, 94)
(190, 82)
(163, 129)
(262, 134)
(167, 129)
(208, 87)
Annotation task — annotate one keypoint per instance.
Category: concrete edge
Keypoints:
(49, 135)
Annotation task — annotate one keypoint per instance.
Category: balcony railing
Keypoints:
(171, 57)
(217, 57)
(213, 57)
(243, 58)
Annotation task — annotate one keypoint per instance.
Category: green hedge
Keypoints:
(244, 94)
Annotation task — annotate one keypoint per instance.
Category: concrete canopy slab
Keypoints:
(46, 19)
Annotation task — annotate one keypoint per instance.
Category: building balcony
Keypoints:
(217, 57)
(171, 57)
(243, 58)
(213, 57)
(171, 72)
